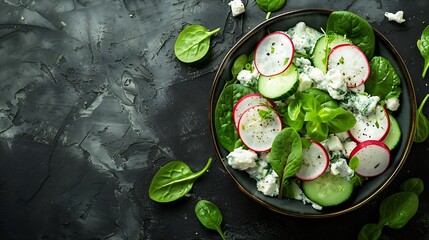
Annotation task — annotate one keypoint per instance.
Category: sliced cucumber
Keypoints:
(279, 86)
(328, 190)
(320, 56)
(394, 134)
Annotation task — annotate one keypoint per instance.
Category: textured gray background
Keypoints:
(93, 102)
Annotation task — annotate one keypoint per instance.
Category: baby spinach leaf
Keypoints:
(239, 64)
(397, 209)
(414, 185)
(370, 231)
(286, 155)
(224, 124)
(423, 46)
(322, 97)
(296, 124)
(383, 80)
(355, 28)
(422, 123)
(210, 216)
(193, 43)
(338, 119)
(317, 131)
(173, 181)
(270, 5)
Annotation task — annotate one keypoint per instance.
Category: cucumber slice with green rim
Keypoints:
(394, 134)
(328, 190)
(279, 86)
(320, 56)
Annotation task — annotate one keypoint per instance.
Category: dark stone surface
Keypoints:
(93, 102)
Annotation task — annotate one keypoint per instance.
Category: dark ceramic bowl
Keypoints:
(317, 18)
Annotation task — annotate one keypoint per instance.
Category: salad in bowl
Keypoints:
(308, 119)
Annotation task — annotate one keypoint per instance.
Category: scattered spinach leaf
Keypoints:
(383, 80)
(224, 124)
(422, 123)
(269, 6)
(173, 181)
(193, 43)
(210, 216)
(286, 155)
(414, 185)
(423, 46)
(357, 29)
(395, 210)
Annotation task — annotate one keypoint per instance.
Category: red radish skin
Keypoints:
(256, 133)
(269, 62)
(351, 62)
(366, 129)
(246, 102)
(374, 158)
(315, 161)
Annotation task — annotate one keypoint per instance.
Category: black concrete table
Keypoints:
(93, 102)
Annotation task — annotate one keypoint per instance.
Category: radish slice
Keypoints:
(274, 54)
(315, 161)
(371, 127)
(374, 158)
(246, 102)
(257, 132)
(351, 62)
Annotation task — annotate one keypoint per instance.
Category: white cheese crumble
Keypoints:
(341, 168)
(333, 143)
(303, 37)
(237, 7)
(397, 17)
(336, 86)
(361, 103)
(268, 185)
(392, 103)
(242, 159)
(348, 147)
(246, 77)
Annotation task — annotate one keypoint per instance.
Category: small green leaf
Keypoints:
(209, 215)
(397, 209)
(193, 43)
(414, 185)
(370, 231)
(269, 6)
(423, 46)
(422, 123)
(354, 162)
(239, 64)
(173, 181)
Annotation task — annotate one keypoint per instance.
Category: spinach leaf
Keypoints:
(423, 46)
(193, 43)
(397, 209)
(270, 5)
(317, 131)
(322, 97)
(209, 215)
(338, 119)
(355, 28)
(173, 181)
(414, 185)
(383, 80)
(296, 124)
(224, 124)
(286, 155)
(422, 123)
(239, 64)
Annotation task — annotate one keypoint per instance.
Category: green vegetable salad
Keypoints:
(310, 114)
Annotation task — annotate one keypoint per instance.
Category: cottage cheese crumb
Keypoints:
(242, 159)
(237, 7)
(268, 185)
(397, 17)
(392, 103)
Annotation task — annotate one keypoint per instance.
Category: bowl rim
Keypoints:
(412, 98)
